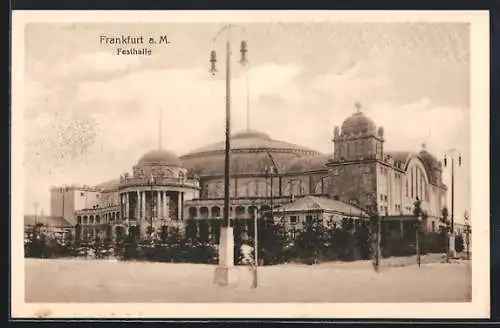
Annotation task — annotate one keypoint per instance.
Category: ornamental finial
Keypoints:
(358, 106)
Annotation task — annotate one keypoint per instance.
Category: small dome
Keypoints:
(357, 123)
(429, 159)
(431, 163)
(159, 157)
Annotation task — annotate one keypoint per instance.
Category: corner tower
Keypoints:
(358, 145)
(358, 138)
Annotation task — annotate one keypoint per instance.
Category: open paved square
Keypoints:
(75, 280)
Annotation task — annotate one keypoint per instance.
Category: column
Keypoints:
(127, 205)
(166, 205)
(401, 227)
(143, 205)
(179, 205)
(137, 205)
(158, 205)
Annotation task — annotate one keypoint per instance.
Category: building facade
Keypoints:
(265, 175)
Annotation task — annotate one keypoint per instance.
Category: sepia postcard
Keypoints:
(250, 164)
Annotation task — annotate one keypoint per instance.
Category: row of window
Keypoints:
(97, 220)
(255, 189)
(418, 185)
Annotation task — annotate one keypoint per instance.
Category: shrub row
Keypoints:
(314, 244)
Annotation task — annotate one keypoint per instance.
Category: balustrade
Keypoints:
(134, 181)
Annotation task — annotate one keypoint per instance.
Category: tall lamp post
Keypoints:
(467, 233)
(374, 220)
(35, 205)
(255, 248)
(446, 230)
(151, 183)
(270, 171)
(452, 153)
(63, 195)
(226, 244)
(417, 211)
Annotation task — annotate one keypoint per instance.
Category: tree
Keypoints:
(361, 238)
(272, 240)
(417, 212)
(459, 243)
(340, 242)
(374, 237)
(163, 234)
(215, 225)
(312, 239)
(130, 245)
(445, 228)
(174, 237)
(175, 244)
(191, 229)
(36, 242)
(204, 231)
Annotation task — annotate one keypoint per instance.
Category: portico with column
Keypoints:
(153, 196)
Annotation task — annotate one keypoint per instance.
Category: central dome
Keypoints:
(249, 141)
(251, 153)
(159, 157)
(357, 123)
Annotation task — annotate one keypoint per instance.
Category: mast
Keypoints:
(160, 128)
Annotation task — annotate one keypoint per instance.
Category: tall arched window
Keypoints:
(412, 190)
(421, 186)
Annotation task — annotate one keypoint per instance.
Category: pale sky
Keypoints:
(91, 114)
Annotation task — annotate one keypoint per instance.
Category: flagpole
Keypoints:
(160, 128)
(248, 99)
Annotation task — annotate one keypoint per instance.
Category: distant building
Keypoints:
(265, 174)
(330, 212)
(51, 225)
(65, 200)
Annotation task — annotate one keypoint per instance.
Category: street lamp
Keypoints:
(63, 190)
(151, 183)
(244, 62)
(256, 249)
(417, 211)
(269, 172)
(452, 153)
(446, 230)
(35, 205)
(374, 219)
(226, 251)
(467, 232)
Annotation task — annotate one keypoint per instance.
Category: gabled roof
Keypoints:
(46, 220)
(313, 203)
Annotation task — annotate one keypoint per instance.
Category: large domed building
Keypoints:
(150, 198)
(268, 175)
(261, 169)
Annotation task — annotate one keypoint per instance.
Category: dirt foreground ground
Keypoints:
(74, 280)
